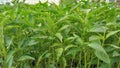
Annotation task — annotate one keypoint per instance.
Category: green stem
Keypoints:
(71, 63)
(79, 63)
(90, 62)
(98, 63)
(118, 65)
(85, 62)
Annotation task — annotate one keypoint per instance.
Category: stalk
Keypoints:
(91, 58)
(71, 63)
(85, 61)
(98, 63)
(118, 65)
(79, 63)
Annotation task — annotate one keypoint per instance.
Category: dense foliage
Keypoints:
(71, 35)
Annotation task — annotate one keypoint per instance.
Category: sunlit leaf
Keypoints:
(100, 52)
(26, 57)
(69, 46)
(98, 29)
(64, 27)
(115, 54)
(59, 52)
(112, 33)
(59, 36)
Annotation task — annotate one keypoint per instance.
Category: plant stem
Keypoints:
(118, 65)
(79, 63)
(98, 63)
(85, 62)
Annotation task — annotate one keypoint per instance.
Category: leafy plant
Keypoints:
(71, 35)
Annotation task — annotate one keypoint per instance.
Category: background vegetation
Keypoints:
(71, 35)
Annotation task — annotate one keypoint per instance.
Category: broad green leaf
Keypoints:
(8, 42)
(103, 65)
(51, 66)
(70, 39)
(73, 51)
(32, 42)
(63, 18)
(1, 60)
(10, 54)
(112, 33)
(97, 46)
(56, 45)
(64, 62)
(59, 52)
(10, 62)
(26, 57)
(115, 54)
(98, 29)
(47, 55)
(79, 40)
(100, 52)
(94, 37)
(26, 65)
(59, 36)
(63, 28)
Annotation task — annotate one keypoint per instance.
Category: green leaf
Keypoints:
(1, 60)
(112, 33)
(9, 59)
(10, 54)
(114, 46)
(32, 42)
(64, 62)
(47, 55)
(41, 57)
(26, 57)
(51, 66)
(10, 62)
(115, 54)
(103, 65)
(98, 29)
(8, 42)
(100, 52)
(64, 27)
(59, 52)
(79, 40)
(73, 51)
(69, 46)
(94, 37)
(59, 36)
